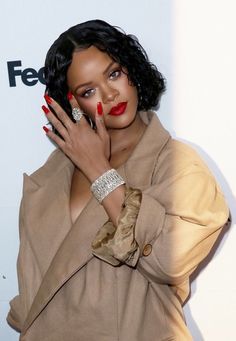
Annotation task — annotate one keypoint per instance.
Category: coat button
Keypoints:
(147, 250)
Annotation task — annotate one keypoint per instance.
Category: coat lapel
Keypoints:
(72, 249)
(74, 253)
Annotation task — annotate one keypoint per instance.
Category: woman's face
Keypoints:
(94, 77)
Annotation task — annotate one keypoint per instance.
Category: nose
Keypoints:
(109, 94)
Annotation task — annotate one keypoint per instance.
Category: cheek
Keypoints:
(89, 106)
(133, 94)
(130, 89)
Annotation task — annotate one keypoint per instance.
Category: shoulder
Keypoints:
(187, 186)
(180, 166)
(177, 157)
(171, 158)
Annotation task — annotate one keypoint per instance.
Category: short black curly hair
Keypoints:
(122, 48)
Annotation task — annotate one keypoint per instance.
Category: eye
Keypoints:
(87, 93)
(115, 74)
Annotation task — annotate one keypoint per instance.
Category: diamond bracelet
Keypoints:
(105, 184)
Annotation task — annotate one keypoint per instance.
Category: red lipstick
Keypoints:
(119, 109)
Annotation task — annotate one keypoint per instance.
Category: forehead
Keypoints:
(87, 63)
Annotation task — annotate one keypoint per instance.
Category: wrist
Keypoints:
(97, 170)
(106, 183)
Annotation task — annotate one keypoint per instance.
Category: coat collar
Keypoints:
(73, 249)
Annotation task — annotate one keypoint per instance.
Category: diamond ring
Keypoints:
(77, 114)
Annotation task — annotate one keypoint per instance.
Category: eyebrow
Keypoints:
(88, 83)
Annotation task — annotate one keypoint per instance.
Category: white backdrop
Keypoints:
(193, 44)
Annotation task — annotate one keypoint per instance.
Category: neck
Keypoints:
(122, 139)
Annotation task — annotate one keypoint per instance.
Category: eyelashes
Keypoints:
(113, 75)
(87, 93)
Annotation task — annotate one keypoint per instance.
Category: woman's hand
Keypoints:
(87, 149)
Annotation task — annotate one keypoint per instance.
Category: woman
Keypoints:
(121, 214)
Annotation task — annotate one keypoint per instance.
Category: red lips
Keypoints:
(118, 109)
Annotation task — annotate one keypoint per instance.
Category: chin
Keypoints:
(120, 122)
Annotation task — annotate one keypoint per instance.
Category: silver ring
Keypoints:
(77, 114)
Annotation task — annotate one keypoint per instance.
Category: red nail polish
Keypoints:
(99, 108)
(69, 95)
(45, 129)
(45, 109)
(48, 99)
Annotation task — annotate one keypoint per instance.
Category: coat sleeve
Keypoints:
(175, 226)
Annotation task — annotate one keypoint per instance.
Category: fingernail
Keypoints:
(45, 129)
(48, 99)
(99, 108)
(45, 109)
(69, 95)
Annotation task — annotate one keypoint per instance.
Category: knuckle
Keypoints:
(60, 114)
(57, 125)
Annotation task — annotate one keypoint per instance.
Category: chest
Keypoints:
(80, 194)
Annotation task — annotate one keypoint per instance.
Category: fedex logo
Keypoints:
(28, 76)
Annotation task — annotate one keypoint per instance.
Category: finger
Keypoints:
(79, 117)
(74, 104)
(54, 137)
(72, 100)
(61, 114)
(56, 123)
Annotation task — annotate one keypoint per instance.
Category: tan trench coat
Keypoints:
(68, 294)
